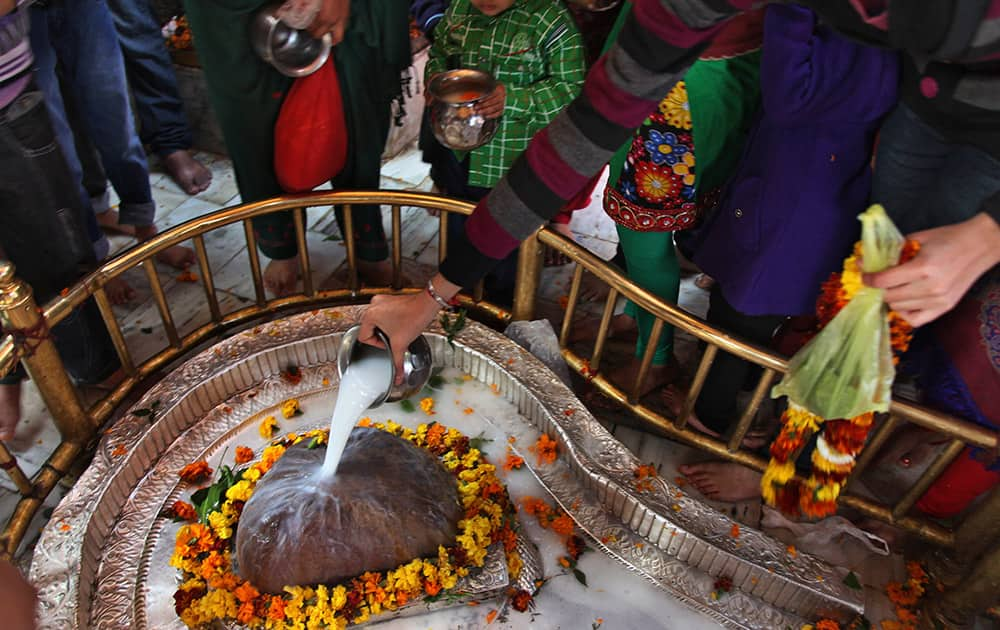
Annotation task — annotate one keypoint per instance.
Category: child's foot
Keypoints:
(554, 258)
(108, 220)
(723, 481)
(673, 398)
(178, 257)
(188, 173)
(10, 410)
(118, 291)
(281, 276)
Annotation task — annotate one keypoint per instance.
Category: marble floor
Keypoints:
(140, 321)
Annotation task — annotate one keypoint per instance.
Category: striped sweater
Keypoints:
(15, 52)
(657, 44)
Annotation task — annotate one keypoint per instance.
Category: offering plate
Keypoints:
(102, 560)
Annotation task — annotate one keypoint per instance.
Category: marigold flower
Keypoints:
(522, 600)
(827, 624)
(196, 472)
(734, 531)
(513, 461)
(267, 427)
(468, 411)
(562, 524)
(183, 510)
(546, 449)
(290, 408)
(427, 406)
(244, 454)
(246, 592)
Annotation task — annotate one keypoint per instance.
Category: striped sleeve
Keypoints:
(660, 39)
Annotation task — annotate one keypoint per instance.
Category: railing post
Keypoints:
(973, 537)
(529, 273)
(956, 607)
(22, 318)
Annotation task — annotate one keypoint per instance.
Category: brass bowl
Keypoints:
(292, 52)
(454, 119)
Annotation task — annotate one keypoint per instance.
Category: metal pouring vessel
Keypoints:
(416, 363)
(454, 119)
(292, 52)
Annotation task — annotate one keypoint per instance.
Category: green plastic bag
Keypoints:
(846, 370)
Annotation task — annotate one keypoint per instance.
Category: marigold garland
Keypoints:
(211, 592)
(905, 596)
(840, 440)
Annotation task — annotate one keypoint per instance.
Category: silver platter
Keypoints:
(94, 560)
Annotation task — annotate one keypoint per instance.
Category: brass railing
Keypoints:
(971, 552)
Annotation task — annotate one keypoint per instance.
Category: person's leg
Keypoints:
(44, 52)
(163, 124)
(652, 265)
(246, 95)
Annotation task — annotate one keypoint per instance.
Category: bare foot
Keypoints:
(723, 481)
(555, 258)
(108, 220)
(10, 410)
(673, 397)
(622, 327)
(704, 281)
(188, 173)
(178, 257)
(118, 291)
(281, 276)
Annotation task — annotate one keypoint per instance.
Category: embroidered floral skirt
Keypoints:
(655, 192)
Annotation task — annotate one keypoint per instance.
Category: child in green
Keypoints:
(665, 177)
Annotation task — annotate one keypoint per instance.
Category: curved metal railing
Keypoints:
(78, 427)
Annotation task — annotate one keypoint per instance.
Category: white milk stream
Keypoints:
(365, 379)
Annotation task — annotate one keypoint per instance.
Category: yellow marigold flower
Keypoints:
(267, 427)
(514, 565)
(290, 408)
(777, 473)
(427, 405)
(252, 474)
(270, 455)
(800, 418)
(850, 278)
(828, 492)
(240, 491)
(338, 598)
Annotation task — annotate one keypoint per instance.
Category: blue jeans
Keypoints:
(41, 233)
(80, 36)
(162, 122)
(926, 182)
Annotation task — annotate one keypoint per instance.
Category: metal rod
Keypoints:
(933, 471)
(258, 277)
(696, 384)
(397, 248)
(352, 256)
(117, 338)
(9, 463)
(161, 302)
(602, 331)
(207, 280)
(571, 301)
(442, 236)
(529, 275)
(647, 359)
(763, 386)
(299, 218)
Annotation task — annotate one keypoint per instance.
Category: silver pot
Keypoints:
(454, 120)
(293, 53)
(416, 363)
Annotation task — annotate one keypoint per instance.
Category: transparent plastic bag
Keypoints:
(847, 369)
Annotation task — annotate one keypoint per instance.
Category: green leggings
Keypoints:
(652, 264)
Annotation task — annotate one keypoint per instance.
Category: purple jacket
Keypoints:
(788, 216)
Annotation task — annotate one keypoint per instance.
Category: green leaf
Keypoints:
(580, 576)
(436, 381)
(407, 405)
(313, 443)
(208, 505)
(478, 442)
(851, 581)
(458, 381)
(199, 496)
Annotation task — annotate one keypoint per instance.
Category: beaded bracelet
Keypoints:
(445, 304)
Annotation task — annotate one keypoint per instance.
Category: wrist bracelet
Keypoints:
(445, 304)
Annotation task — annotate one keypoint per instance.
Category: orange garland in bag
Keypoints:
(840, 440)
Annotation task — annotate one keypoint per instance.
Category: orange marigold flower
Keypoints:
(491, 616)
(184, 511)
(244, 454)
(916, 572)
(903, 594)
(536, 507)
(792, 551)
(468, 411)
(245, 614)
(564, 561)
(827, 624)
(187, 276)
(734, 531)
(522, 600)
(365, 422)
(562, 524)
(514, 461)
(246, 592)
(196, 472)
(546, 449)
(432, 588)
(435, 435)
(276, 609)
